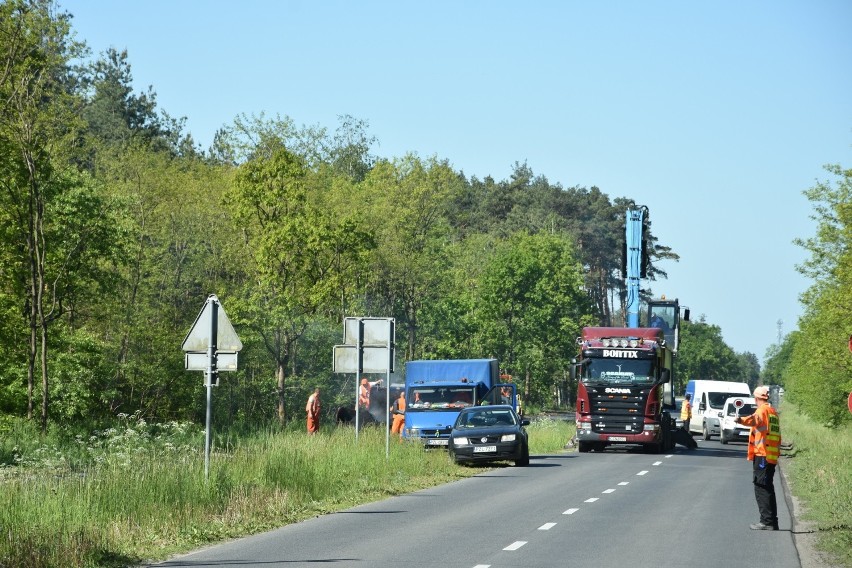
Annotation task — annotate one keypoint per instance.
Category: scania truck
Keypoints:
(621, 375)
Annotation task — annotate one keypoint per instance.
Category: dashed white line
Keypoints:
(657, 463)
(609, 491)
(546, 526)
(624, 483)
(482, 566)
(591, 500)
(643, 472)
(516, 545)
(570, 511)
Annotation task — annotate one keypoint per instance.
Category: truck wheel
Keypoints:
(584, 447)
(706, 435)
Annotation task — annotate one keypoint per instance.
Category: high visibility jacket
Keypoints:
(685, 411)
(399, 406)
(764, 439)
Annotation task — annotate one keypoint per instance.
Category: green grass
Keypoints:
(820, 470)
(137, 492)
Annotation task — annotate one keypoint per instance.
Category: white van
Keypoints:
(735, 406)
(708, 398)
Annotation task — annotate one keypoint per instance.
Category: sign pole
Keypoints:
(211, 368)
(359, 368)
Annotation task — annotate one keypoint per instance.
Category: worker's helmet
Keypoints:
(762, 392)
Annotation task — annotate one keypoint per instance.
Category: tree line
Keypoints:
(117, 225)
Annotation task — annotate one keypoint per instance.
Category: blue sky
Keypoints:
(715, 115)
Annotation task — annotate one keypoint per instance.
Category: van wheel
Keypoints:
(722, 438)
(706, 432)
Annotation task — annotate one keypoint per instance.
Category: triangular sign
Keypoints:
(198, 338)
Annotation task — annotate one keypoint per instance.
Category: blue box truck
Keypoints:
(437, 390)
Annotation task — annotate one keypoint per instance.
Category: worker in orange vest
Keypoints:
(398, 411)
(313, 410)
(764, 444)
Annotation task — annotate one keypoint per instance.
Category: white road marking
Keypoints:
(657, 463)
(643, 472)
(610, 491)
(624, 483)
(482, 566)
(670, 455)
(591, 500)
(546, 526)
(570, 511)
(516, 545)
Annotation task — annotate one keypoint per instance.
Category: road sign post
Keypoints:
(368, 347)
(211, 346)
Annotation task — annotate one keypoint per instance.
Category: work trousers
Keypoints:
(764, 491)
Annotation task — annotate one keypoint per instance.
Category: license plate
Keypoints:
(437, 442)
(484, 449)
(741, 433)
(617, 439)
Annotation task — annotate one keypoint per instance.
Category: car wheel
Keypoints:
(706, 432)
(722, 438)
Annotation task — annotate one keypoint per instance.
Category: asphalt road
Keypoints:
(617, 508)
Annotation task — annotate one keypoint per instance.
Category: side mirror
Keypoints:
(572, 371)
(666, 376)
(702, 407)
(525, 422)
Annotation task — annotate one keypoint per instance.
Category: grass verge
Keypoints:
(137, 492)
(820, 474)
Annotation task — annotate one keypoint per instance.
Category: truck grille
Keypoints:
(617, 413)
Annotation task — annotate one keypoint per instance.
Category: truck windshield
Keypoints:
(619, 372)
(440, 398)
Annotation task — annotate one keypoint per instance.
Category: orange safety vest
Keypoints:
(764, 439)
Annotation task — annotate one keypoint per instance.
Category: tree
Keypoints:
(407, 207)
(37, 125)
(531, 307)
(703, 354)
(295, 248)
(777, 359)
(819, 376)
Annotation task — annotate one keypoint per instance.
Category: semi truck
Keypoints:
(621, 376)
(437, 390)
(624, 375)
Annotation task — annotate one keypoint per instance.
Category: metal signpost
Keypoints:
(211, 346)
(368, 347)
